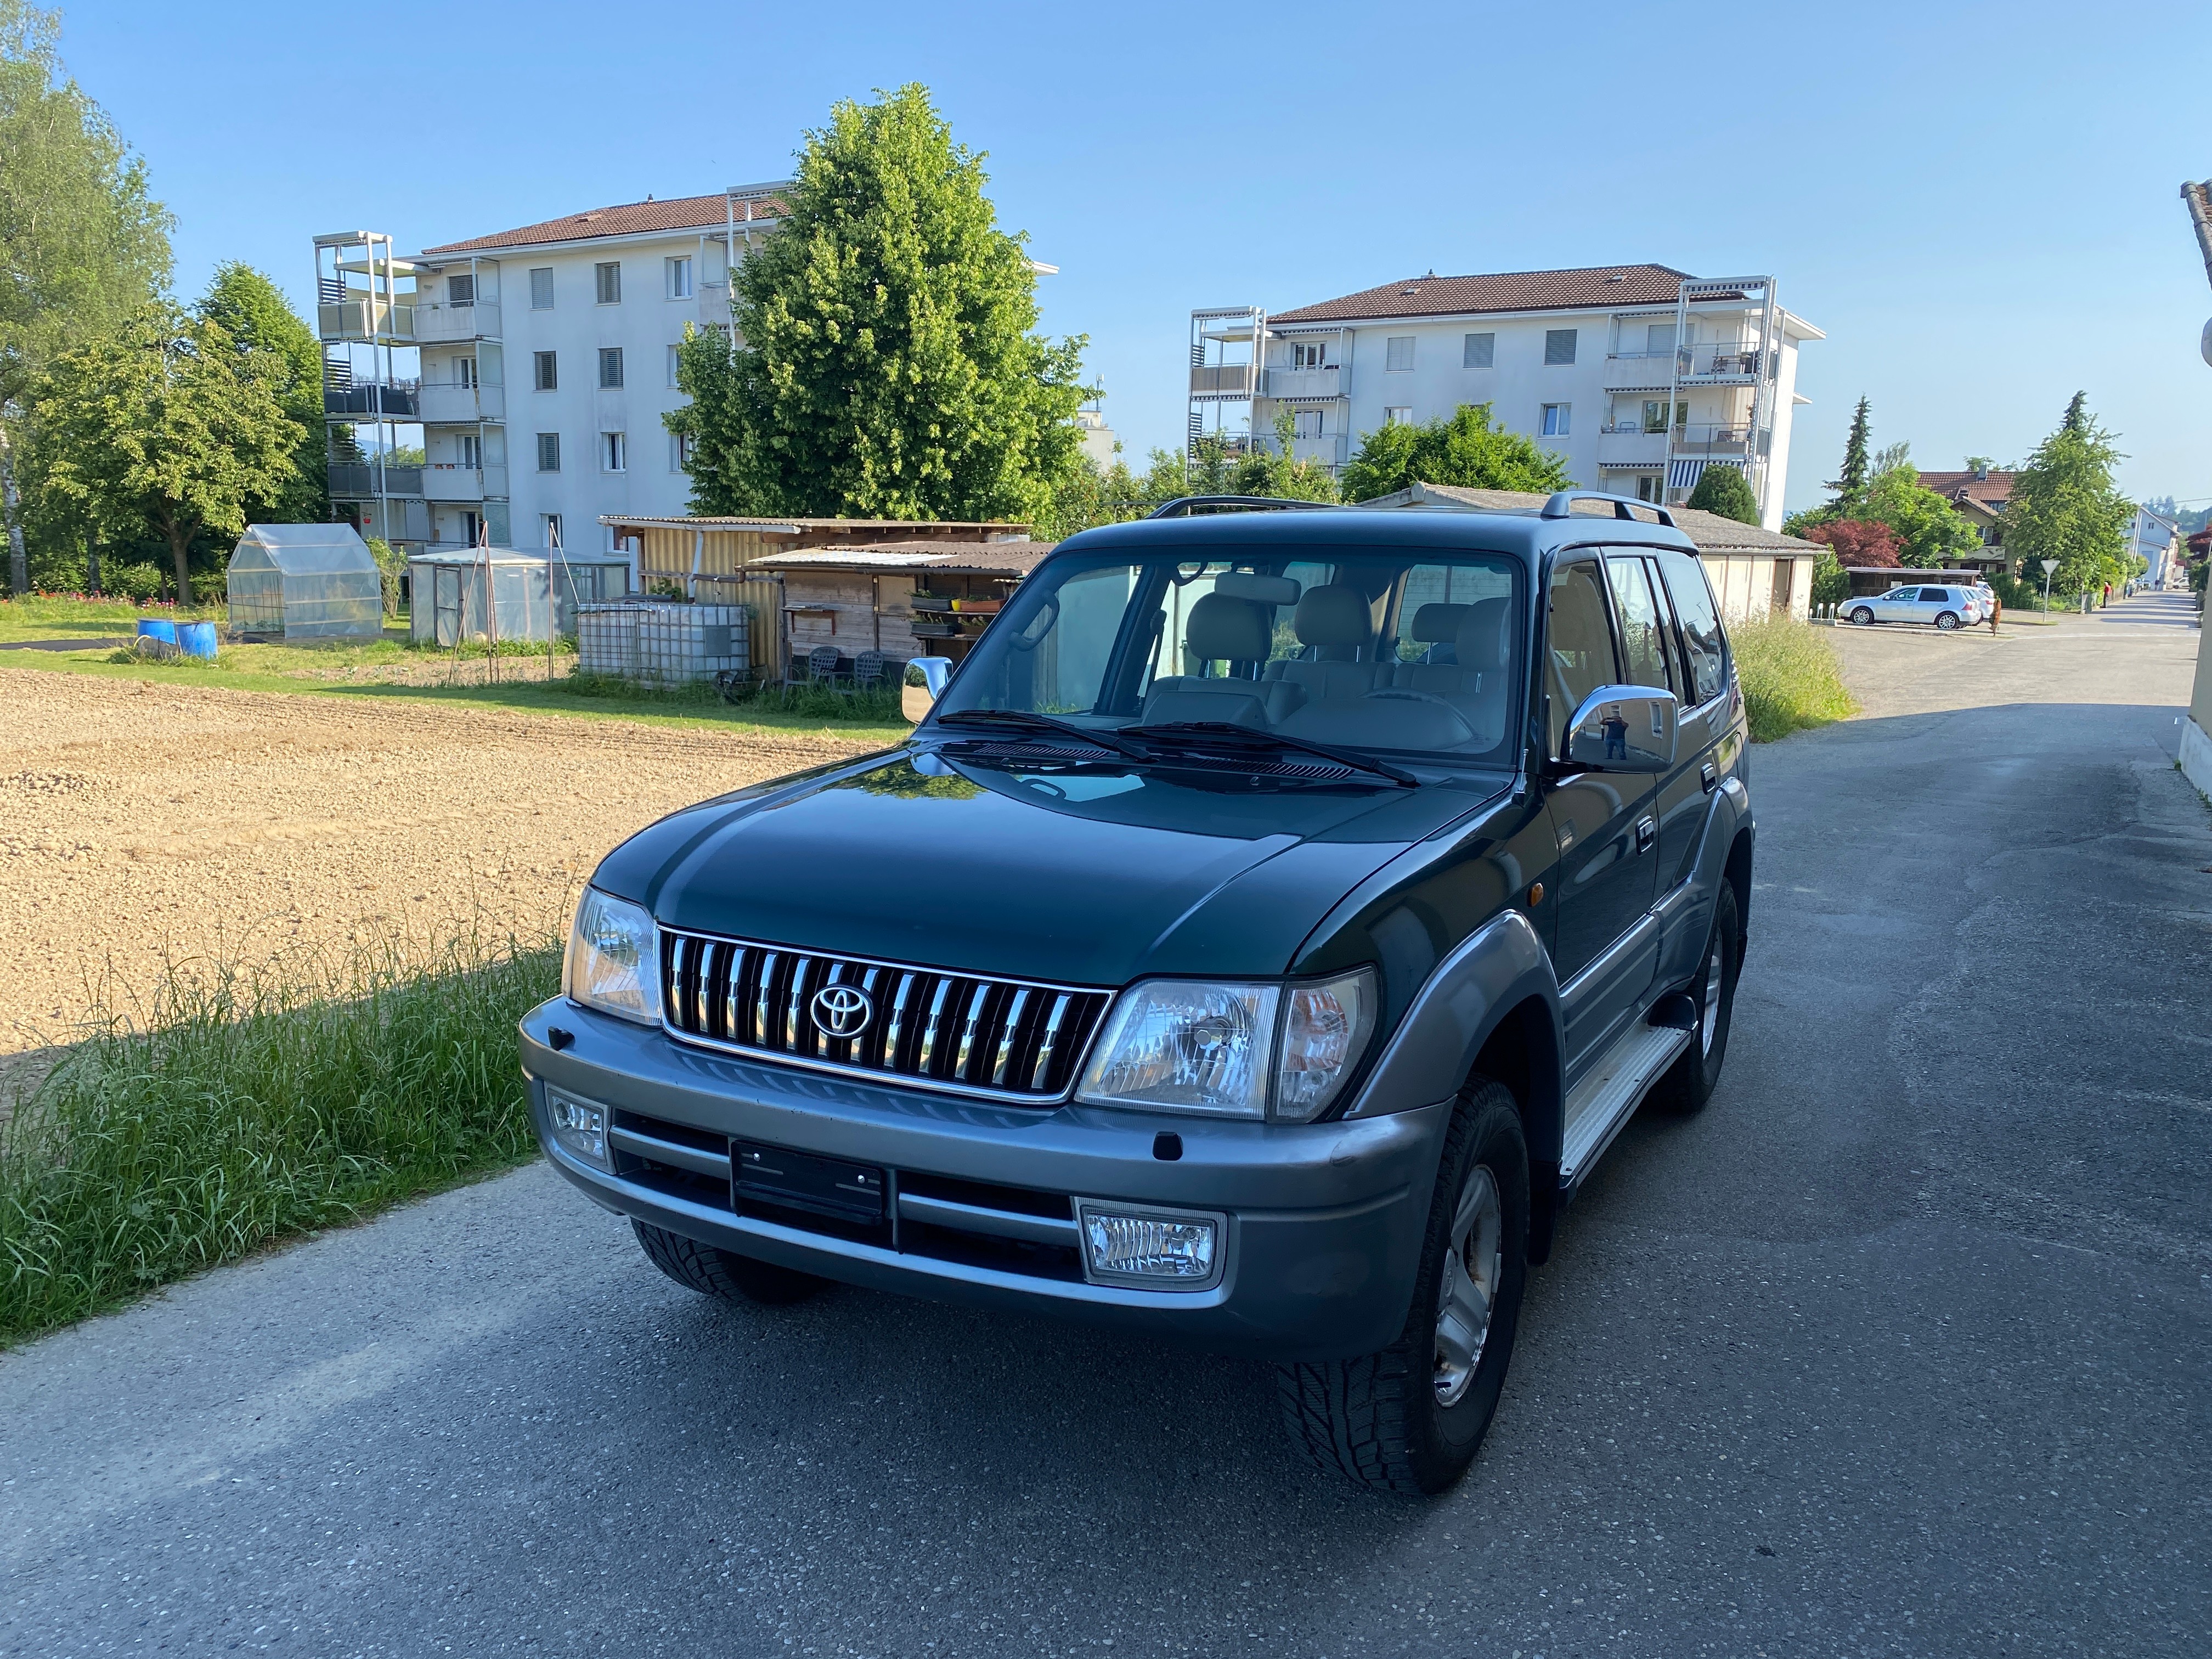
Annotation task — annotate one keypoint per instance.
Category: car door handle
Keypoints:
(1709, 776)
(1647, 831)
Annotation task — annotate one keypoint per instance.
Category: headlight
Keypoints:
(613, 962)
(1186, 1046)
(1232, 1050)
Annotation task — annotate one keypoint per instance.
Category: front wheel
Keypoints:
(1410, 1418)
(1863, 617)
(1947, 621)
(721, 1274)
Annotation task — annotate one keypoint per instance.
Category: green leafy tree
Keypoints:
(1930, 533)
(2065, 506)
(261, 323)
(884, 363)
(1465, 449)
(82, 245)
(163, 427)
(1277, 471)
(1725, 490)
(1852, 483)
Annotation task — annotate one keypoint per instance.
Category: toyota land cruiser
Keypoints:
(1257, 944)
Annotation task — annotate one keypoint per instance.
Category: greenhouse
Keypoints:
(305, 581)
(531, 592)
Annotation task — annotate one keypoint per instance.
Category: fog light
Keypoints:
(580, 1128)
(1157, 1248)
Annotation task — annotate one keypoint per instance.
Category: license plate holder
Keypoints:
(800, 1180)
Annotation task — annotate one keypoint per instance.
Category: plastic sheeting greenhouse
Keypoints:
(531, 592)
(305, 581)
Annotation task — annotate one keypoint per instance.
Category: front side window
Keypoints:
(1703, 643)
(1578, 652)
(608, 279)
(1398, 354)
(1645, 657)
(1558, 345)
(611, 366)
(1356, 648)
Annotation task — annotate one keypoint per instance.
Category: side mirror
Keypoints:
(1624, 728)
(916, 701)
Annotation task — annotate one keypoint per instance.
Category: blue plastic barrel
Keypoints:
(197, 639)
(157, 628)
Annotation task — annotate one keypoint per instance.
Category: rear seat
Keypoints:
(1471, 682)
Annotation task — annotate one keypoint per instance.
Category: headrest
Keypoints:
(1223, 629)
(1435, 623)
(1483, 641)
(1334, 616)
(1266, 590)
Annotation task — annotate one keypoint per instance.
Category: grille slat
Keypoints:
(1011, 1039)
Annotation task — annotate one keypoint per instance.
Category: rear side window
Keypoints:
(1702, 641)
(1937, 595)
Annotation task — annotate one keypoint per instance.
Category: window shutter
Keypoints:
(1481, 352)
(541, 289)
(1558, 345)
(1398, 354)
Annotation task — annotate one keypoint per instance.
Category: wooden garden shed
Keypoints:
(906, 598)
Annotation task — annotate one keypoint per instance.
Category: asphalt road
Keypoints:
(1902, 1348)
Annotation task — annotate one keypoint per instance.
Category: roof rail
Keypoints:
(1562, 502)
(1184, 506)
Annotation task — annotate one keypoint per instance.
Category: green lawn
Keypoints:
(61, 619)
(321, 671)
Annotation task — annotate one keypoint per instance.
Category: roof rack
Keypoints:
(1184, 506)
(1562, 502)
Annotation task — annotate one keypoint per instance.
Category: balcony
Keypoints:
(1628, 444)
(357, 480)
(448, 480)
(1329, 451)
(374, 400)
(436, 324)
(361, 319)
(1712, 441)
(445, 403)
(1221, 381)
(1728, 362)
(1638, 371)
(1325, 382)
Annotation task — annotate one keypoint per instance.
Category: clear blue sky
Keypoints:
(1978, 202)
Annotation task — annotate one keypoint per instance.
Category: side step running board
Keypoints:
(1601, 1102)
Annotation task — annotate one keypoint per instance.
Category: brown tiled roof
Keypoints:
(631, 219)
(1511, 290)
(1992, 492)
(1712, 533)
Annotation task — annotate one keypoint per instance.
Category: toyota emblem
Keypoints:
(843, 1011)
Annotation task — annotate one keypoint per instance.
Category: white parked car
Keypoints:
(1946, 608)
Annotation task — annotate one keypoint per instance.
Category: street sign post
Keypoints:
(2049, 565)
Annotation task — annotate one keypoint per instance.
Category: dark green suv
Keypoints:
(1259, 942)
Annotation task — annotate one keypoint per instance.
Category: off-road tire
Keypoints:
(1862, 616)
(1689, 1083)
(723, 1274)
(1376, 1420)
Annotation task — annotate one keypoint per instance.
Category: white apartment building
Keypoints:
(1639, 376)
(533, 367)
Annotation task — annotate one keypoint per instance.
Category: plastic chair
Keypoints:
(822, 666)
(868, 670)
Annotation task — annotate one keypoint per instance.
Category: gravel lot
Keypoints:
(137, 819)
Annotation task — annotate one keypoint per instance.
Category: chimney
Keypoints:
(1981, 472)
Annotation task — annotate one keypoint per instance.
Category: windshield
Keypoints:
(1394, 650)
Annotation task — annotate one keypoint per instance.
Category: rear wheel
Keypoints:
(1410, 1418)
(1690, 1081)
(723, 1274)
(1863, 617)
(1947, 621)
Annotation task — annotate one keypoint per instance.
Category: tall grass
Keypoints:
(256, 1104)
(1791, 677)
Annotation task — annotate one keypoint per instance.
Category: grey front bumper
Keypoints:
(1324, 1221)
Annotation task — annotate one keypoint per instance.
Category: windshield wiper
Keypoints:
(1022, 719)
(1221, 734)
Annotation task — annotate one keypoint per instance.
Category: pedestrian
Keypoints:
(1997, 609)
(2108, 593)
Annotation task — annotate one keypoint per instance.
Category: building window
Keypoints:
(682, 446)
(541, 289)
(461, 290)
(549, 452)
(1555, 419)
(1647, 487)
(679, 277)
(610, 281)
(467, 450)
(1398, 414)
(1558, 345)
(614, 452)
(1659, 339)
(1309, 356)
(1398, 354)
(464, 371)
(1478, 351)
(547, 369)
(1307, 423)
(611, 366)
(552, 521)
(675, 363)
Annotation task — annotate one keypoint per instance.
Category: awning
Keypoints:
(1684, 475)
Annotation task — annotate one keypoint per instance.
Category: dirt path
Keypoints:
(137, 819)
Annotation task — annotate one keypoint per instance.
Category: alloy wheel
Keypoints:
(1474, 1267)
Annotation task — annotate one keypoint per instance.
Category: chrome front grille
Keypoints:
(1013, 1039)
